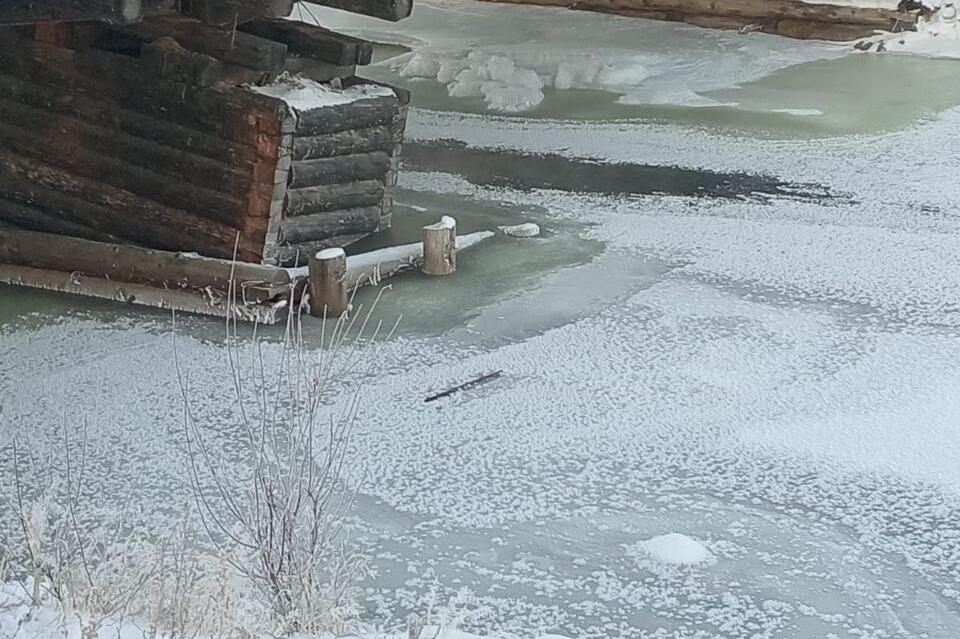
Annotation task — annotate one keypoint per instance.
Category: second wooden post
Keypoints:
(440, 247)
(328, 283)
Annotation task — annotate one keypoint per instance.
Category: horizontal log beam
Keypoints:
(122, 263)
(392, 10)
(107, 168)
(365, 140)
(294, 255)
(349, 195)
(119, 212)
(185, 301)
(314, 42)
(343, 168)
(321, 226)
(234, 47)
(116, 11)
(363, 113)
(226, 13)
(31, 218)
(227, 112)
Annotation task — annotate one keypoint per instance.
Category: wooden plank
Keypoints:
(168, 59)
(343, 168)
(107, 208)
(140, 294)
(392, 10)
(367, 112)
(363, 140)
(122, 263)
(349, 195)
(314, 42)
(321, 226)
(229, 45)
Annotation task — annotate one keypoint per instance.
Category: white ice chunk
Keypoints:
(449, 69)
(577, 74)
(510, 99)
(466, 85)
(498, 69)
(674, 549)
(421, 65)
(622, 74)
(528, 229)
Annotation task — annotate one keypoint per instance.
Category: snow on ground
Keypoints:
(509, 56)
(672, 549)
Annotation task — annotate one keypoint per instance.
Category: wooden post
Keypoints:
(440, 247)
(328, 283)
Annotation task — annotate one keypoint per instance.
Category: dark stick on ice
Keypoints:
(483, 379)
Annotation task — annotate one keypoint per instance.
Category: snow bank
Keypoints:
(673, 549)
(935, 37)
(304, 94)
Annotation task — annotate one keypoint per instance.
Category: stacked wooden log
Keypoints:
(791, 18)
(149, 134)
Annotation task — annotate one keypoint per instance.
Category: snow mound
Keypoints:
(674, 549)
(935, 37)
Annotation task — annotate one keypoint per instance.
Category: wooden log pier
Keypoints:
(215, 127)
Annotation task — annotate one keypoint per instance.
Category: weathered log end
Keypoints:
(440, 247)
(327, 282)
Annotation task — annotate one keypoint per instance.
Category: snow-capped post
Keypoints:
(328, 283)
(440, 247)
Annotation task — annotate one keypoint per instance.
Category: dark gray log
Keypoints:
(312, 41)
(375, 138)
(61, 151)
(100, 111)
(321, 226)
(34, 219)
(393, 10)
(358, 166)
(111, 210)
(228, 112)
(118, 11)
(168, 59)
(121, 263)
(318, 199)
(226, 13)
(235, 47)
(356, 115)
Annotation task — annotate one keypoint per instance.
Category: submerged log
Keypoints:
(132, 264)
(359, 166)
(319, 199)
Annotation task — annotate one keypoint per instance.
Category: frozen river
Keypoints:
(742, 324)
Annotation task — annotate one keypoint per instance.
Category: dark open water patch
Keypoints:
(527, 172)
